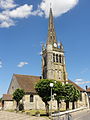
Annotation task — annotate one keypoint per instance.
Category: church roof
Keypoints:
(27, 82)
(77, 86)
(7, 97)
(88, 89)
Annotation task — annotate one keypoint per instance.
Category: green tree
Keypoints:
(44, 91)
(18, 95)
(68, 89)
(75, 96)
(0, 99)
(71, 94)
(59, 90)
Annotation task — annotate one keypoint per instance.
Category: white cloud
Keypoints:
(40, 53)
(1, 64)
(7, 17)
(21, 12)
(81, 83)
(22, 64)
(10, 11)
(59, 6)
(7, 4)
(79, 80)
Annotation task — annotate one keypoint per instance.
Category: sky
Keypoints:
(24, 27)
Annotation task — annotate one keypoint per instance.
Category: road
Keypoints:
(81, 115)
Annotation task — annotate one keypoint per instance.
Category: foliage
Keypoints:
(71, 94)
(44, 90)
(0, 99)
(18, 95)
(59, 90)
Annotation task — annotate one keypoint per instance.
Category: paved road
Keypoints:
(82, 115)
(17, 116)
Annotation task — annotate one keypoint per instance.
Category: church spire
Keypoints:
(51, 30)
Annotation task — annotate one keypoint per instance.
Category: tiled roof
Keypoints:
(27, 82)
(7, 97)
(88, 90)
(78, 87)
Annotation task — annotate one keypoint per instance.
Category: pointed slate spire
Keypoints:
(51, 30)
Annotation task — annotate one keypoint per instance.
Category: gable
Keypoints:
(13, 85)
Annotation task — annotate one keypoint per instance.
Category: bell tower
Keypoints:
(53, 59)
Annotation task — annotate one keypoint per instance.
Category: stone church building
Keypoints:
(53, 67)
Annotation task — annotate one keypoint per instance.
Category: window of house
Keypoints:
(53, 57)
(56, 57)
(31, 98)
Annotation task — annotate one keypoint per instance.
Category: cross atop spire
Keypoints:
(51, 29)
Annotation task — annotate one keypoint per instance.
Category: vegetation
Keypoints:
(44, 91)
(58, 90)
(0, 99)
(66, 92)
(18, 95)
(71, 94)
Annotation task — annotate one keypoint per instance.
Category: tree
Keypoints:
(59, 90)
(18, 95)
(71, 94)
(44, 91)
(0, 99)
(75, 96)
(68, 88)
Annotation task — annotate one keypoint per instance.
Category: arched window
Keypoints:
(56, 57)
(31, 98)
(60, 59)
(53, 57)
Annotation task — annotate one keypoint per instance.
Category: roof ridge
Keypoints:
(25, 75)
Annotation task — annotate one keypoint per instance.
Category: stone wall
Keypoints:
(9, 105)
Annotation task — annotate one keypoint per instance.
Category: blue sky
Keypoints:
(21, 36)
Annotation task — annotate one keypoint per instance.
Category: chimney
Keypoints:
(86, 87)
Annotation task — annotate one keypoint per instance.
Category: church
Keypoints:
(53, 67)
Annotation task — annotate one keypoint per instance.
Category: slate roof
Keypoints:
(7, 97)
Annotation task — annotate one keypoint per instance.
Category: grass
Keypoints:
(33, 112)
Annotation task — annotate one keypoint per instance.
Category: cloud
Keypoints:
(7, 17)
(59, 6)
(40, 53)
(79, 80)
(21, 12)
(10, 12)
(81, 83)
(1, 64)
(22, 64)
(7, 4)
